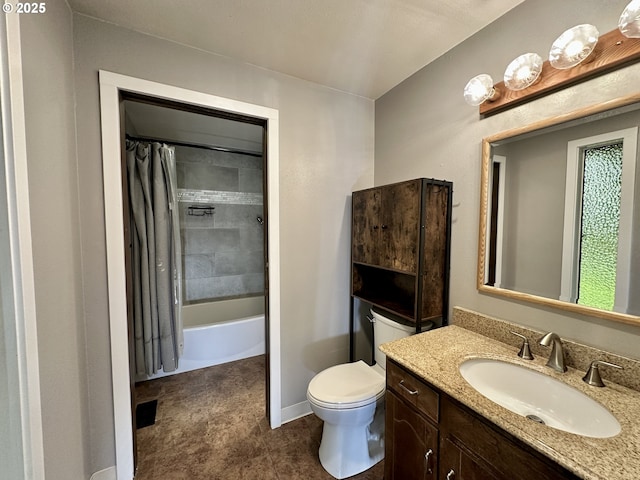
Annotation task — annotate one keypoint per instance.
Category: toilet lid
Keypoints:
(349, 385)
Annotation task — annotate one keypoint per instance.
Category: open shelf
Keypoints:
(388, 289)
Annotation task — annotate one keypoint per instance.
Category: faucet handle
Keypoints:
(525, 350)
(592, 377)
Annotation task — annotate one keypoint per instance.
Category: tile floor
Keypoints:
(210, 425)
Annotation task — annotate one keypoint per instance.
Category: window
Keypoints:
(598, 220)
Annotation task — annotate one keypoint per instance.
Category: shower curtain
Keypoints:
(156, 256)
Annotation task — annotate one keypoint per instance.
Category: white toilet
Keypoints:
(349, 398)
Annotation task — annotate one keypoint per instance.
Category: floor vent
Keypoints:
(146, 413)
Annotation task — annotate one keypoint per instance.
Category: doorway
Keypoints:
(112, 88)
(219, 218)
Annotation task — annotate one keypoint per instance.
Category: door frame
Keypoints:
(111, 85)
(22, 325)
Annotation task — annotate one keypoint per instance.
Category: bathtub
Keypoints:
(216, 343)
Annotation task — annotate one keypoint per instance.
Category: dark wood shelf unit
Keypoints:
(401, 242)
(400, 250)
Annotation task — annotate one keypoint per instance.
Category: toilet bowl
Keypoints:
(349, 398)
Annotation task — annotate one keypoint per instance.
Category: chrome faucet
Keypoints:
(556, 359)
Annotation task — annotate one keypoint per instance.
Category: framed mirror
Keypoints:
(560, 212)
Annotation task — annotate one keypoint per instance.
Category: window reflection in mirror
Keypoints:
(544, 233)
(598, 220)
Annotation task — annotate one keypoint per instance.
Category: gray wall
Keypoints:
(533, 216)
(47, 56)
(223, 253)
(424, 128)
(326, 152)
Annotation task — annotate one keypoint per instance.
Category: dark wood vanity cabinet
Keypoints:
(411, 427)
(414, 452)
(463, 445)
(400, 247)
(457, 464)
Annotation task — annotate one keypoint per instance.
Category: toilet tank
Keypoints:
(386, 330)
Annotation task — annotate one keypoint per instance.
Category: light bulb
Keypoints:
(479, 89)
(629, 23)
(573, 46)
(523, 71)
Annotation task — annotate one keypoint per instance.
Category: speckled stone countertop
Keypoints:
(436, 356)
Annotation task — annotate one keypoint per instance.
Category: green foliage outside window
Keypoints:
(600, 223)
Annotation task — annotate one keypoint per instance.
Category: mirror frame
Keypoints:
(484, 196)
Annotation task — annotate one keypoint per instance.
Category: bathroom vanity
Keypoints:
(439, 427)
(429, 436)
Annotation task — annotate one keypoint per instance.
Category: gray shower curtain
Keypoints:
(155, 250)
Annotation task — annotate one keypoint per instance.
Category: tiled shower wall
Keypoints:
(223, 253)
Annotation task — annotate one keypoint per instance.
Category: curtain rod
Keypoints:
(195, 145)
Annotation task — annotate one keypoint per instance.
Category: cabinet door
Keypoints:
(490, 448)
(400, 226)
(411, 443)
(456, 464)
(366, 226)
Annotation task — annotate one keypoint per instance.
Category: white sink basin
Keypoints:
(539, 397)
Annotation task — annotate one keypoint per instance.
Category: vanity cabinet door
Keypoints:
(456, 464)
(411, 443)
(488, 449)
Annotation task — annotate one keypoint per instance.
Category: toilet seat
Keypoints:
(346, 386)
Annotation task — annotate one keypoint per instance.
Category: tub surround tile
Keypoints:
(200, 241)
(224, 287)
(223, 251)
(232, 264)
(436, 356)
(198, 266)
(250, 180)
(577, 355)
(218, 197)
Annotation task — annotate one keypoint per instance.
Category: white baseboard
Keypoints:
(296, 411)
(106, 474)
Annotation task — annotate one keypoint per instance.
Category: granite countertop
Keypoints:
(436, 356)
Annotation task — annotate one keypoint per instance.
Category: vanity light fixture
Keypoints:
(523, 71)
(629, 23)
(479, 89)
(528, 77)
(574, 46)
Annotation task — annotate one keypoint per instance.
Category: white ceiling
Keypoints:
(364, 47)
